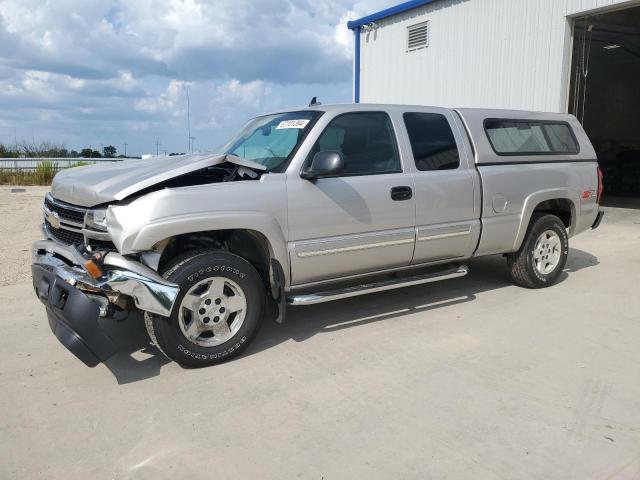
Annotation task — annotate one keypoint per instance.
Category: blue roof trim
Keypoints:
(388, 12)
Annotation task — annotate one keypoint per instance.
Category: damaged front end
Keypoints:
(77, 293)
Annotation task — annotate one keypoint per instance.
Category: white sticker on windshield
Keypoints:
(292, 124)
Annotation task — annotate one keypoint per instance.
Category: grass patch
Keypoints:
(42, 175)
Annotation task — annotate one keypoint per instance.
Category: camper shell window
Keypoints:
(530, 137)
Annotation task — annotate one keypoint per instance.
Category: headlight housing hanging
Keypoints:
(96, 219)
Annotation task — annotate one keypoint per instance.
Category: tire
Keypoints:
(540, 267)
(216, 289)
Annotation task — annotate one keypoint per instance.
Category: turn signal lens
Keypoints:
(94, 270)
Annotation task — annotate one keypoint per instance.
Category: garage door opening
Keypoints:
(605, 96)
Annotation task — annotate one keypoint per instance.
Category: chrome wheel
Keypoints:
(212, 311)
(547, 252)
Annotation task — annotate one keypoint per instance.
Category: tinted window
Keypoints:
(520, 137)
(366, 141)
(432, 141)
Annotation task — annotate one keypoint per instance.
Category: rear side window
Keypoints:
(365, 139)
(525, 137)
(432, 141)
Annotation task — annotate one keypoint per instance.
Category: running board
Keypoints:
(330, 295)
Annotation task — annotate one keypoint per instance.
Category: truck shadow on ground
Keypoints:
(139, 360)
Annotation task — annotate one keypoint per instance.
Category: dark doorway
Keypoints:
(605, 96)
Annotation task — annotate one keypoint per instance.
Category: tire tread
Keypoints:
(517, 262)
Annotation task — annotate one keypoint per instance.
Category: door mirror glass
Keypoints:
(324, 164)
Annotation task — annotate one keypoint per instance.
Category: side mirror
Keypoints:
(324, 164)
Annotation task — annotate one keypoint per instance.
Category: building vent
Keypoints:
(417, 36)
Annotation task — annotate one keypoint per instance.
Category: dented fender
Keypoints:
(139, 225)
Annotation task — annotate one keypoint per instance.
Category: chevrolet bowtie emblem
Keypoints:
(54, 219)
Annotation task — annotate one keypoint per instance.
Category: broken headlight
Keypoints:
(96, 219)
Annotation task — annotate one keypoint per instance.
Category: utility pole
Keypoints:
(125, 149)
(157, 147)
(188, 119)
(192, 142)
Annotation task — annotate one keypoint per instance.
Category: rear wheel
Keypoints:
(216, 314)
(543, 253)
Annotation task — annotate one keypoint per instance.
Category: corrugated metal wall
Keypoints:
(482, 53)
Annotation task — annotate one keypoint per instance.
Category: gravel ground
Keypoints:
(471, 378)
(20, 222)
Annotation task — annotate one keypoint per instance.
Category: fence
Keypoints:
(32, 163)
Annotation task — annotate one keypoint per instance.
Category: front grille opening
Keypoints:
(71, 222)
(100, 245)
(62, 235)
(75, 215)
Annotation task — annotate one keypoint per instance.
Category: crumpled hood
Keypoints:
(107, 182)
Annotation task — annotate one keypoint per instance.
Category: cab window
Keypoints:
(432, 141)
(366, 140)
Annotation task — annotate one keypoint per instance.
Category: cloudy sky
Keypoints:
(92, 72)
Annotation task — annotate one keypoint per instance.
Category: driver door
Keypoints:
(354, 222)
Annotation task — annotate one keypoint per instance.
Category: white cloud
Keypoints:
(166, 101)
(251, 93)
(77, 69)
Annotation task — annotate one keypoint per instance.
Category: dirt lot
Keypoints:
(20, 220)
(471, 378)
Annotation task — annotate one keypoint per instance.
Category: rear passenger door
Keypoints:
(446, 184)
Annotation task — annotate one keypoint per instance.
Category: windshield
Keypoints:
(269, 140)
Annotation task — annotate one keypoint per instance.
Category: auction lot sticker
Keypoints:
(292, 124)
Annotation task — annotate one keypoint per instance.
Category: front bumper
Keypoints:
(73, 317)
(75, 301)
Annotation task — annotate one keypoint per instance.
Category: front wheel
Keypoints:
(216, 314)
(543, 253)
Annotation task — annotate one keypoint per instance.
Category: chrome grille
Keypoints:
(66, 212)
(63, 235)
(68, 225)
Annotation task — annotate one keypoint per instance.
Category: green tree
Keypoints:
(7, 152)
(86, 153)
(109, 151)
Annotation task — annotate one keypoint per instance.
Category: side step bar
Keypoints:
(330, 295)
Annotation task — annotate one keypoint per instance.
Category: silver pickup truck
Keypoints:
(307, 206)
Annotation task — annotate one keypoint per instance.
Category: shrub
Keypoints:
(45, 171)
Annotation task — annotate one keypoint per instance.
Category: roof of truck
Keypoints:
(472, 112)
(474, 120)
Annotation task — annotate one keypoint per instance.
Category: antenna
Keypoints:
(314, 101)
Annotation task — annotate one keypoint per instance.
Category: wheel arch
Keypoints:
(257, 235)
(559, 202)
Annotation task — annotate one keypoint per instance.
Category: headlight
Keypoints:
(97, 219)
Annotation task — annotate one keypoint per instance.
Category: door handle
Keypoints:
(401, 193)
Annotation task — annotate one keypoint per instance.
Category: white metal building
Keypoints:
(577, 56)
